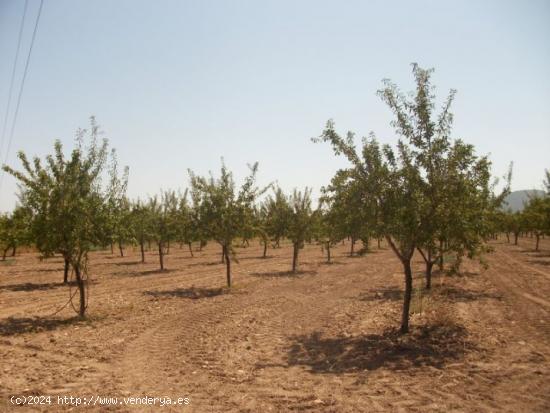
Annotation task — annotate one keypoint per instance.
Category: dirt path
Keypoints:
(324, 340)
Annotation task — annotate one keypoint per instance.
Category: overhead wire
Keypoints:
(25, 71)
(12, 81)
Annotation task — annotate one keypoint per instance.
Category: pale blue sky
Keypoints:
(179, 84)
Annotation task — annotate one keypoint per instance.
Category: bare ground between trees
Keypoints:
(324, 340)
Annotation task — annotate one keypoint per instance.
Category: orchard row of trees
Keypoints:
(534, 219)
(429, 194)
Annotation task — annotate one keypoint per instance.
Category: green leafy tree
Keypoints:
(14, 230)
(537, 217)
(163, 220)
(140, 224)
(276, 211)
(65, 197)
(328, 230)
(301, 222)
(225, 213)
(407, 187)
(117, 207)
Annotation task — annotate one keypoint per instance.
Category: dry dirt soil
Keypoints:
(324, 340)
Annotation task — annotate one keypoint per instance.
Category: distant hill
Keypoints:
(516, 200)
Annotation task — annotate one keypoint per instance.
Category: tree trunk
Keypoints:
(82, 290)
(516, 234)
(66, 271)
(440, 260)
(265, 249)
(378, 243)
(223, 254)
(112, 249)
(161, 256)
(227, 265)
(508, 237)
(168, 247)
(328, 252)
(295, 258)
(142, 249)
(4, 254)
(407, 298)
(352, 247)
(190, 249)
(13, 250)
(537, 235)
(120, 249)
(429, 266)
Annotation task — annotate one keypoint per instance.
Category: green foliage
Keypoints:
(428, 193)
(223, 212)
(14, 230)
(301, 222)
(65, 199)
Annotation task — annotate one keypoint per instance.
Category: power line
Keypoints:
(13, 76)
(14, 121)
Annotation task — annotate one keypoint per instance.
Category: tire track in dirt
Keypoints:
(523, 296)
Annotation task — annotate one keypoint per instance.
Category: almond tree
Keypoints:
(187, 230)
(277, 211)
(408, 186)
(301, 222)
(163, 220)
(140, 223)
(117, 206)
(224, 212)
(537, 217)
(65, 197)
(14, 230)
(328, 230)
(356, 220)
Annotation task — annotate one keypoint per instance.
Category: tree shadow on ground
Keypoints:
(191, 293)
(432, 345)
(127, 263)
(34, 287)
(194, 264)
(151, 272)
(282, 273)
(384, 294)
(35, 270)
(463, 295)
(13, 326)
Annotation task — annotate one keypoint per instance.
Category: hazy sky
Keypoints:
(179, 84)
